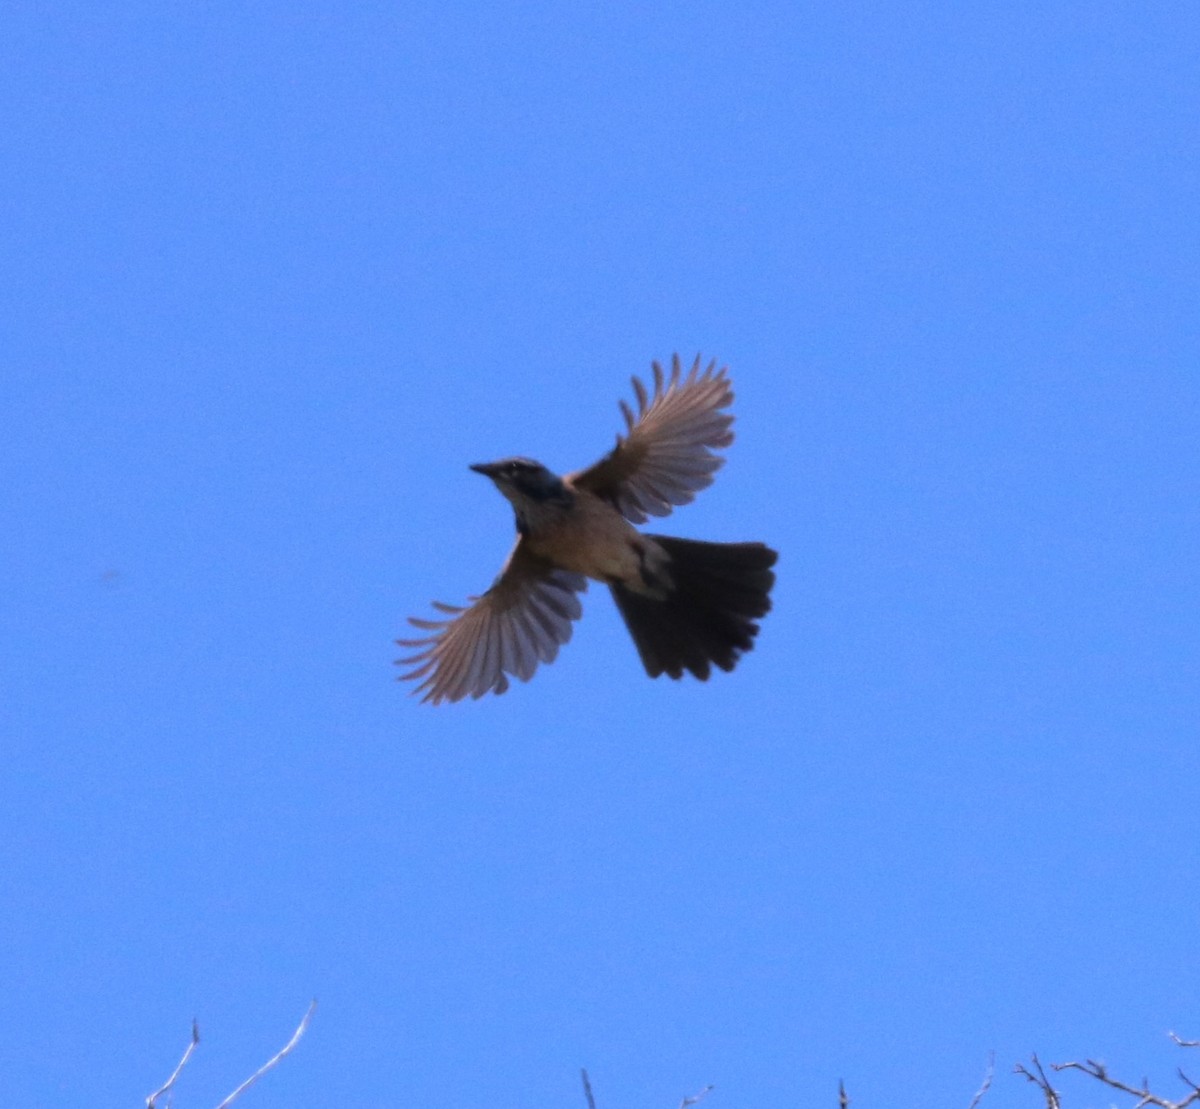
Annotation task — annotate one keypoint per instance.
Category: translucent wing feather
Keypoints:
(667, 456)
(520, 621)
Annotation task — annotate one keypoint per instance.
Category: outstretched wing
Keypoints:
(520, 621)
(667, 456)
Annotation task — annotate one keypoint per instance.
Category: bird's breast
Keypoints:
(592, 538)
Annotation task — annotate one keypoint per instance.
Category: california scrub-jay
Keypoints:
(687, 604)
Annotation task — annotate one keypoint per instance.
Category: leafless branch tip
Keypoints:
(281, 1054)
(1093, 1068)
(695, 1098)
(1053, 1101)
(165, 1088)
(987, 1081)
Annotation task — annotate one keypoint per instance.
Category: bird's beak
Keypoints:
(488, 469)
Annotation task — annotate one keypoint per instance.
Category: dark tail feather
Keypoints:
(720, 589)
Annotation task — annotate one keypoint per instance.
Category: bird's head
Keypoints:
(524, 482)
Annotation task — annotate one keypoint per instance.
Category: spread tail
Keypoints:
(718, 592)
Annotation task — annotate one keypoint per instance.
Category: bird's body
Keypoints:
(590, 537)
(688, 604)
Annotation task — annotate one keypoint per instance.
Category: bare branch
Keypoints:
(1099, 1072)
(587, 1090)
(987, 1081)
(165, 1088)
(1053, 1101)
(843, 1097)
(1145, 1097)
(270, 1063)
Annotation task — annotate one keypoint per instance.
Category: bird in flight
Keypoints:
(688, 605)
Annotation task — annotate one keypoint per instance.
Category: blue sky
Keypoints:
(274, 274)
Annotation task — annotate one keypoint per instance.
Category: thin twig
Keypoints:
(697, 1097)
(987, 1081)
(843, 1097)
(1042, 1082)
(587, 1089)
(1099, 1072)
(152, 1100)
(283, 1052)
